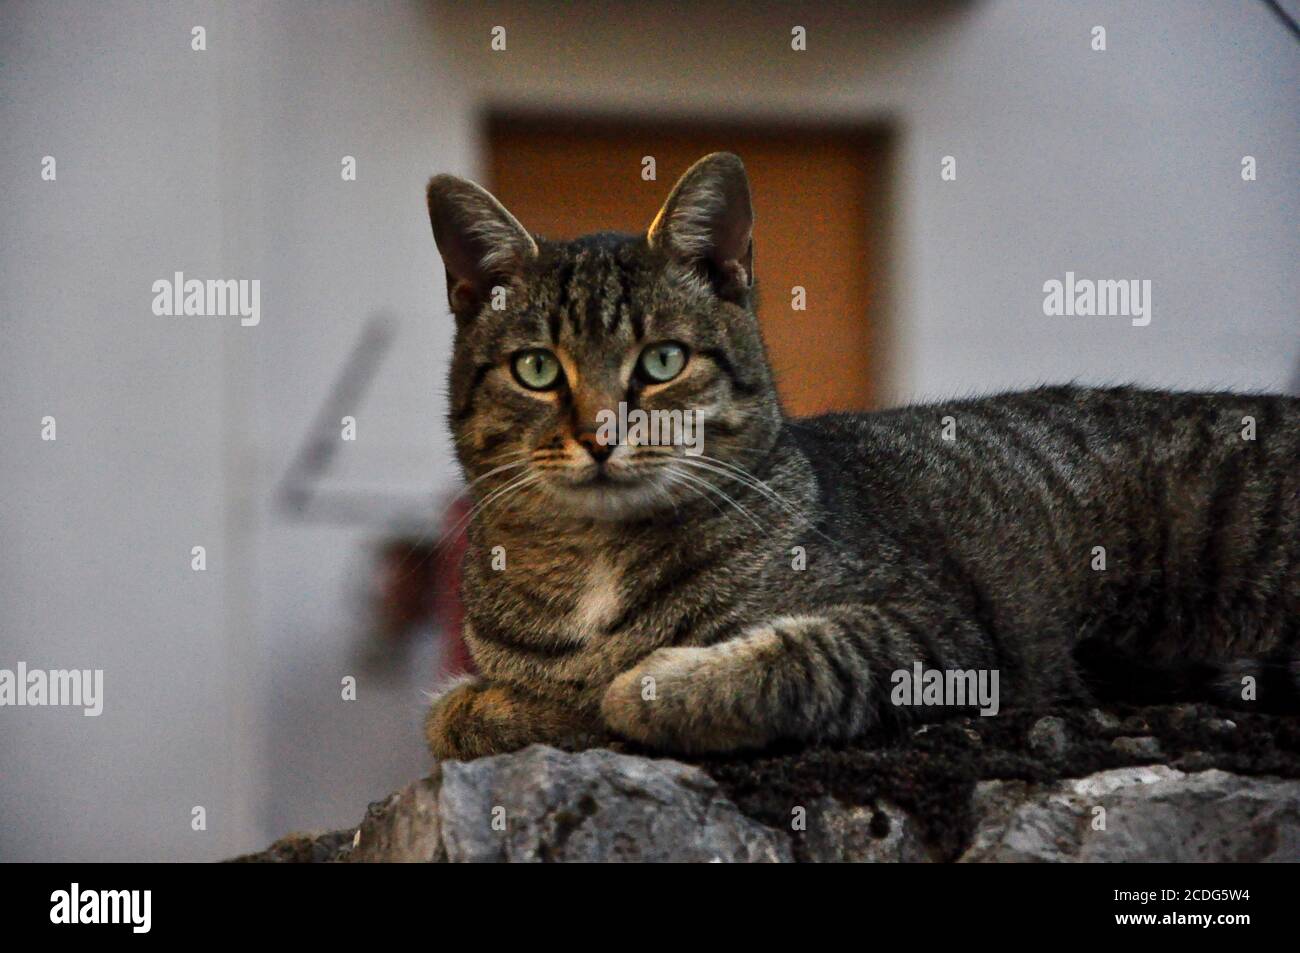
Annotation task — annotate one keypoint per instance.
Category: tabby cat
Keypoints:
(769, 588)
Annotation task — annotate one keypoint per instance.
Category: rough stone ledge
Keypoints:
(542, 804)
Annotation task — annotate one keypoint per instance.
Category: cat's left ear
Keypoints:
(708, 223)
(481, 243)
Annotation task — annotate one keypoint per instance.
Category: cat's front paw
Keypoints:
(663, 703)
(636, 702)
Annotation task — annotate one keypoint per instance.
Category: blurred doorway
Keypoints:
(821, 207)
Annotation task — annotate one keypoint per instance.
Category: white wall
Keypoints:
(371, 82)
(98, 525)
(223, 686)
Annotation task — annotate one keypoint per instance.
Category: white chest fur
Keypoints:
(599, 602)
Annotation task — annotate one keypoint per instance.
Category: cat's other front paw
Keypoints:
(456, 728)
(478, 718)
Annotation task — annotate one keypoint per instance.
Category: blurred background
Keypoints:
(225, 688)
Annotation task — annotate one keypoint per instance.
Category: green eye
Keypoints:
(536, 369)
(662, 362)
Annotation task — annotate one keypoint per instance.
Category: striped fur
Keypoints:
(665, 605)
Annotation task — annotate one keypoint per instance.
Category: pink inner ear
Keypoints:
(734, 272)
(463, 295)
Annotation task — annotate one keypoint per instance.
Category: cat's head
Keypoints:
(551, 337)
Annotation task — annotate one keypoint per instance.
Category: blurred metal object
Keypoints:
(414, 583)
(299, 493)
(1284, 16)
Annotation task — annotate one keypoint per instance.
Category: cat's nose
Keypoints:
(599, 451)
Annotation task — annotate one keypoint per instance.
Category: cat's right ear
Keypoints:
(482, 245)
(708, 223)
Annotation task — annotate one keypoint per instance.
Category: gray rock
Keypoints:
(1194, 761)
(406, 827)
(1102, 720)
(1144, 747)
(1149, 814)
(542, 804)
(303, 847)
(838, 833)
(1048, 737)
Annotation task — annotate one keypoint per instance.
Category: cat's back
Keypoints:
(1065, 431)
(1157, 509)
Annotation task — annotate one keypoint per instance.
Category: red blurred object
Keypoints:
(418, 584)
(448, 610)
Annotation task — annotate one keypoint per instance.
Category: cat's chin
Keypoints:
(611, 501)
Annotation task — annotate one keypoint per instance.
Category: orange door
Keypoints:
(819, 201)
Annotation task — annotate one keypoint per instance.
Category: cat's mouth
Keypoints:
(604, 480)
(609, 494)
